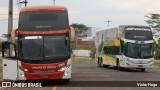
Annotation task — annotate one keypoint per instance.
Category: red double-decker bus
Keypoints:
(42, 45)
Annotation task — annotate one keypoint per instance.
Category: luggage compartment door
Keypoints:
(9, 68)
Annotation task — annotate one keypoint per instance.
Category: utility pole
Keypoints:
(108, 22)
(24, 2)
(10, 17)
(10, 24)
(54, 2)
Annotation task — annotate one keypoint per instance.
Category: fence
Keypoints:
(85, 53)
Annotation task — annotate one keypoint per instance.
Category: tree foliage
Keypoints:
(80, 29)
(157, 52)
(93, 52)
(153, 20)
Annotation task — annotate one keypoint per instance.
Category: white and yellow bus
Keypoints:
(128, 46)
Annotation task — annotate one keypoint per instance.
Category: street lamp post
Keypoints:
(24, 2)
(54, 2)
(108, 22)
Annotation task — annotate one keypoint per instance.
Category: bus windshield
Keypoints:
(140, 51)
(44, 47)
(43, 20)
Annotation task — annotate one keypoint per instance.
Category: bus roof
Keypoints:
(138, 26)
(38, 8)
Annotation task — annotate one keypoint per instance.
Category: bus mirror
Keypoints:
(124, 44)
(14, 35)
(156, 43)
(156, 46)
(72, 34)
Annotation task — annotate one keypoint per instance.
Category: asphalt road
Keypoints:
(88, 76)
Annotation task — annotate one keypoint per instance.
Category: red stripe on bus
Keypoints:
(43, 32)
(50, 66)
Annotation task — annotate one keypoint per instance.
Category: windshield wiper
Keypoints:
(32, 58)
(56, 57)
(40, 52)
(66, 41)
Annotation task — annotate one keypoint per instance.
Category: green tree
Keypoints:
(153, 20)
(80, 30)
(93, 52)
(157, 54)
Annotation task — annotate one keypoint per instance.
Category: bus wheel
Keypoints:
(118, 66)
(66, 80)
(99, 62)
(142, 69)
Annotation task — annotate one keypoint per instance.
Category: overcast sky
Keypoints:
(93, 13)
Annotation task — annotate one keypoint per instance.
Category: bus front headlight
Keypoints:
(24, 69)
(64, 68)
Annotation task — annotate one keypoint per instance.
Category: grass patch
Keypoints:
(82, 59)
(157, 64)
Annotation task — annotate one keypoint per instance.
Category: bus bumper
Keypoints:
(45, 76)
(149, 63)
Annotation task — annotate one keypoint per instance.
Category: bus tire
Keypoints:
(66, 80)
(102, 66)
(142, 69)
(118, 66)
(99, 62)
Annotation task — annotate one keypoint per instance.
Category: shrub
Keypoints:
(157, 52)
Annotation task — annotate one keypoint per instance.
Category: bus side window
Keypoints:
(122, 47)
(124, 50)
(111, 50)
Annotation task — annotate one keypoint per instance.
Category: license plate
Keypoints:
(140, 65)
(43, 77)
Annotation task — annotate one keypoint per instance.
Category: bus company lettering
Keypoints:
(61, 65)
(48, 67)
(144, 29)
(44, 67)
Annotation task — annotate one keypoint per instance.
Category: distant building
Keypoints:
(86, 39)
(91, 32)
(3, 38)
